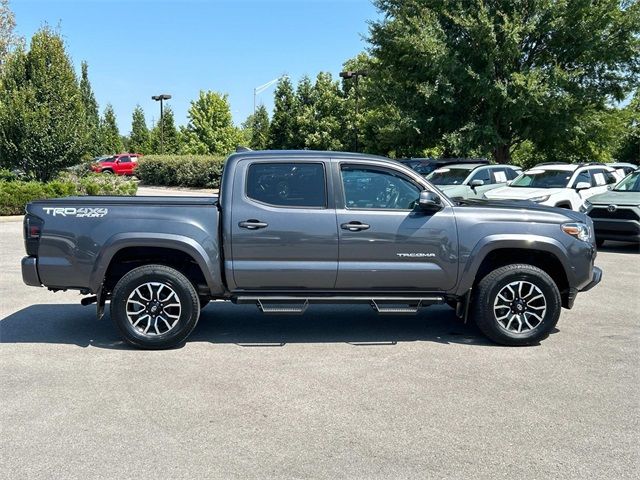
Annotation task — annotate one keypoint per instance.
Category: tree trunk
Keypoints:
(502, 154)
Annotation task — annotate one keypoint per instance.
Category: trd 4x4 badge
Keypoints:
(82, 212)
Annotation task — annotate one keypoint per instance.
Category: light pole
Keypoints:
(355, 75)
(259, 90)
(161, 98)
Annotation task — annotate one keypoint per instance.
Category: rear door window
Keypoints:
(499, 175)
(287, 184)
(598, 177)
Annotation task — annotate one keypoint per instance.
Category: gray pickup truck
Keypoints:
(291, 228)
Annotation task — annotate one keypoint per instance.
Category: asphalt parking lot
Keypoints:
(337, 393)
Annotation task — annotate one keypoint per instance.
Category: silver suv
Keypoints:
(472, 180)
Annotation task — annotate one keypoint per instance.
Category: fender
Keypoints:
(210, 266)
(488, 244)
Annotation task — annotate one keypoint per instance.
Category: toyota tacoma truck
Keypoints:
(293, 228)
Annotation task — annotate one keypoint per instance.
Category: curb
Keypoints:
(11, 218)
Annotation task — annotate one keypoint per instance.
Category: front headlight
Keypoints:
(577, 230)
(543, 198)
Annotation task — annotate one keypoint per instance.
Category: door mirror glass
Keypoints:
(477, 183)
(582, 185)
(429, 201)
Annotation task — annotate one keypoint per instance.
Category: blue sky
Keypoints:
(139, 48)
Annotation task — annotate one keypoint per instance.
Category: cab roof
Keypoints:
(305, 153)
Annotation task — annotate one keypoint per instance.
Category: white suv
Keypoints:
(558, 184)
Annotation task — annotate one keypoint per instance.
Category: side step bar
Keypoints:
(294, 305)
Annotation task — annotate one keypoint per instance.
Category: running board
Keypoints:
(295, 305)
(271, 306)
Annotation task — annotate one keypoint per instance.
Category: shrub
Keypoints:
(198, 171)
(15, 194)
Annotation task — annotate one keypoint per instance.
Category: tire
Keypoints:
(534, 316)
(165, 297)
(107, 172)
(599, 242)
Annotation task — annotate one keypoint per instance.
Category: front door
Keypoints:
(283, 230)
(483, 174)
(386, 243)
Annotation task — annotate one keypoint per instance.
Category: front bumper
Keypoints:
(623, 223)
(595, 279)
(569, 297)
(30, 272)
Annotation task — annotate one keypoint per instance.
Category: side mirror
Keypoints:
(582, 185)
(476, 183)
(429, 201)
(509, 182)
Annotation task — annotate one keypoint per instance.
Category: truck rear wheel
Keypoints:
(517, 305)
(155, 307)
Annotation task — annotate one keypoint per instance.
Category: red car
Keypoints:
(121, 164)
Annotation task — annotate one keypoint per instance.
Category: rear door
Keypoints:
(283, 230)
(385, 242)
(602, 179)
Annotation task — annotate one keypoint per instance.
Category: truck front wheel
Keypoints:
(155, 307)
(516, 305)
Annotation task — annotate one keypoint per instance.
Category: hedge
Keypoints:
(198, 171)
(15, 194)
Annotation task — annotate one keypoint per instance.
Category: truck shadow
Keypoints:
(222, 323)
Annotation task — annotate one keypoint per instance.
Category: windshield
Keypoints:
(631, 183)
(448, 176)
(106, 159)
(543, 179)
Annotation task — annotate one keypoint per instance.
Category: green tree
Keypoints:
(282, 131)
(210, 129)
(629, 148)
(110, 140)
(257, 126)
(166, 139)
(8, 39)
(139, 137)
(304, 120)
(323, 121)
(40, 108)
(91, 114)
(489, 75)
(380, 125)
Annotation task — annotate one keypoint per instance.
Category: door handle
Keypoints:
(252, 224)
(354, 226)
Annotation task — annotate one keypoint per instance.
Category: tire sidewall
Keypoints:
(184, 290)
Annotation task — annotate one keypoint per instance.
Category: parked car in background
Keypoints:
(121, 164)
(424, 166)
(624, 167)
(471, 180)
(616, 213)
(561, 185)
